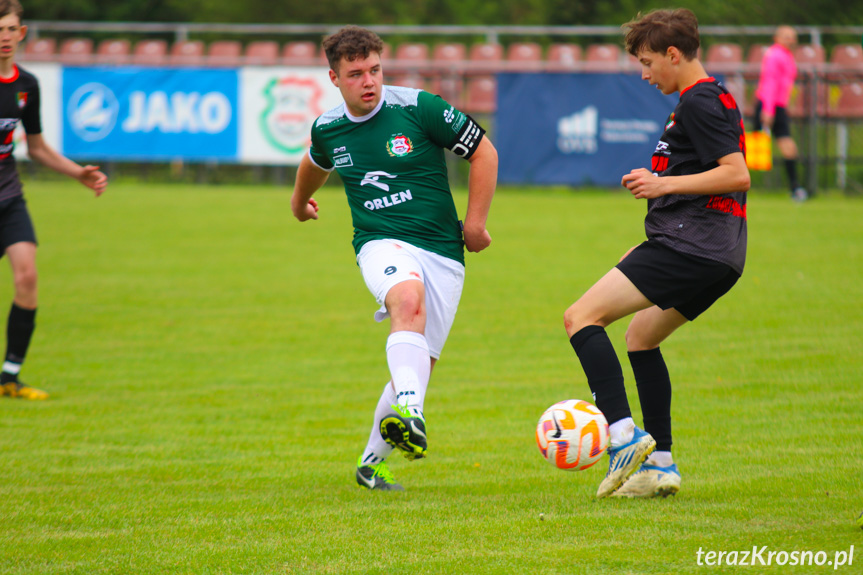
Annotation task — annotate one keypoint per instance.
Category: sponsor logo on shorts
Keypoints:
(390, 270)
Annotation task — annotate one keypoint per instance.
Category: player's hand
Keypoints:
(94, 179)
(476, 239)
(644, 184)
(310, 212)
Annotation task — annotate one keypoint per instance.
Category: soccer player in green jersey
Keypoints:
(387, 143)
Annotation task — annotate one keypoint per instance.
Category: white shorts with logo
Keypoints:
(385, 263)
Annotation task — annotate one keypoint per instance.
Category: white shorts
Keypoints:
(385, 263)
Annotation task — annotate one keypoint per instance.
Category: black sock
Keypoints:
(654, 392)
(19, 330)
(603, 371)
(791, 170)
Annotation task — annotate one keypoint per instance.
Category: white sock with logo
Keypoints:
(377, 449)
(410, 366)
(621, 432)
(660, 459)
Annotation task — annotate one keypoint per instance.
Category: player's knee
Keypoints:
(26, 281)
(573, 319)
(636, 341)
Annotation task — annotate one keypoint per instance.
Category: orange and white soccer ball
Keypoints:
(572, 434)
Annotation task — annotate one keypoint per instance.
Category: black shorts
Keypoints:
(15, 223)
(670, 279)
(781, 124)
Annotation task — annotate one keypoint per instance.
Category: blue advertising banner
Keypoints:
(577, 128)
(150, 114)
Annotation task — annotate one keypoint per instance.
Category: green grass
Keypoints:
(214, 366)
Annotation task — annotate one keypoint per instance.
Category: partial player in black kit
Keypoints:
(694, 253)
(19, 103)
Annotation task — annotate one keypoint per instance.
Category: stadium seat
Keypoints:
(602, 58)
(150, 53)
(411, 60)
(262, 53)
(225, 53)
(300, 53)
(524, 56)
(40, 50)
(754, 57)
(113, 52)
(564, 57)
(76, 51)
(850, 104)
(846, 61)
(481, 95)
(448, 81)
(187, 53)
(485, 57)
(811, 55)
(724, 58)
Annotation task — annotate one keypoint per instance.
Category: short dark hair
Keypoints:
(659, 30)
(11, 7)
(350, 43)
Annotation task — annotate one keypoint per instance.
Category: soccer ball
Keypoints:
(572, 434)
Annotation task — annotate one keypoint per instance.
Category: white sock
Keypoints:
(620, 432)
(410, 367)
(660, 459)
(377, 449)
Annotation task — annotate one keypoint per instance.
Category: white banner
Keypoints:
(277, 109)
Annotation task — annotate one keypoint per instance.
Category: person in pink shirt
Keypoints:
(778, 72)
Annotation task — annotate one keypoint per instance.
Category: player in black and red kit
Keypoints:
(19, 102)
(694, 253)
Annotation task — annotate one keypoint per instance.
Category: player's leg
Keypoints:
(658, 476)
(788, 150)
(21, 320)
(611, 298)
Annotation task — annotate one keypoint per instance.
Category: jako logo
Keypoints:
(93, 110)
(576, 134)
(180, 112)
(372, 179)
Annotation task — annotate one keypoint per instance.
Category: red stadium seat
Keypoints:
(564, 57)
(113, 52)
(187, 53)
(224, 53)
(40, 50)
(850, 104)
(754, 58)
(448, 82)
(300, 54)
(846, 61)
(811, 55)
(411, 60)
(481, 95)
(150, 53)
(262, 53)
(76, 51)
(603, 58)
(526, 56)
(724, 58)
(485, 57)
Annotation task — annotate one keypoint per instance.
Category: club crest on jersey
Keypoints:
(399, 146)
(22, 99)
(669, 122)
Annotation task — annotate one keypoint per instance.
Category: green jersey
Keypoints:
(392, 164)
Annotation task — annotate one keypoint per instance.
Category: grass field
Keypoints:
(214, 365)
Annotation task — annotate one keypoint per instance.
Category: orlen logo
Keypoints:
(178, 112)
(93, 110)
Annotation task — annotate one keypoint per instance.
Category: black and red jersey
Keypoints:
(705, 126)
(19, 102)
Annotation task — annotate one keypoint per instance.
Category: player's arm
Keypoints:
(731, 175)
(90, 176)
(309, 180)
(481, 185)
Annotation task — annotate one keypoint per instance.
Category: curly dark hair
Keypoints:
(658, 30)
(350, 43)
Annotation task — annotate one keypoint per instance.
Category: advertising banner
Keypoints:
(577, 129)
(279, 107)
(150, 114)
(50, 79)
